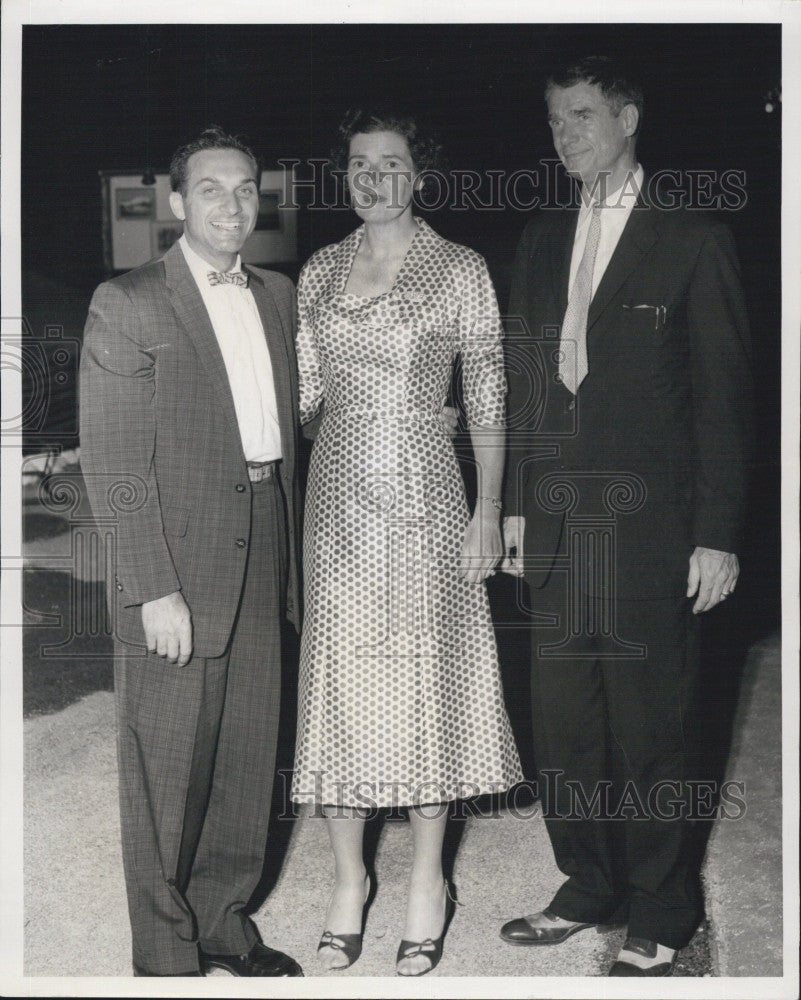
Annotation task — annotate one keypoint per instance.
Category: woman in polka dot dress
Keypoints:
(400, 698)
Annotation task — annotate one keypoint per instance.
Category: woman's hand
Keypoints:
(483, 545)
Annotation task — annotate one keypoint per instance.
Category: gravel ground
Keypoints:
(502, 866)
(74, 889)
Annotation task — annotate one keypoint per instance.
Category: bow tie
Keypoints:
(228, 278)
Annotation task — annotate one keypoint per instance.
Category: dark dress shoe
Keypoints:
(259, 961)
(139, 971)
(520, 931)
(647, 949)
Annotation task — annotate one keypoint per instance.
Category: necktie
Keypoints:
(228, 278)
(573, 366)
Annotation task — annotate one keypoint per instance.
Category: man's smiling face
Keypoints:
(219, 204)
(591, 139)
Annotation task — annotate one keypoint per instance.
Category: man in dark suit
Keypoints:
(188, 431)
(629, 414)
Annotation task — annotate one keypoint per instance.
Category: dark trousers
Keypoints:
(612, 749)
(196, 754)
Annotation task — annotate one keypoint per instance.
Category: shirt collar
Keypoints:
(198, 266)
(624, 197)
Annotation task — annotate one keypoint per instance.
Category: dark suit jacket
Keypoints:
(667, 400)
(160, 446)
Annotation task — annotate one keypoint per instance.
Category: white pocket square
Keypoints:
(660, 312)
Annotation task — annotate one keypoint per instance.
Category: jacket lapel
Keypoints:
(191, 311)
(636, 241)
(561, 255)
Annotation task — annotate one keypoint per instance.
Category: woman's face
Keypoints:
(381, 175)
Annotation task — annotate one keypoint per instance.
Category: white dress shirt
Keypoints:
(615, 211)
(237, 325)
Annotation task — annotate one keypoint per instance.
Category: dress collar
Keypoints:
(423, 243)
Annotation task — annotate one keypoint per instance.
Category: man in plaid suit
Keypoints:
(188, 421)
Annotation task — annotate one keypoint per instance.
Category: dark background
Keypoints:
(123, 97)
(115, 98)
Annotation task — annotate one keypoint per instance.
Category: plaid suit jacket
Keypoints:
(160, 445)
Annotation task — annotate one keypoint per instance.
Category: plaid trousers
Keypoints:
(196, 755)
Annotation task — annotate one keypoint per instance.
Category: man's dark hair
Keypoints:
(212, 137)
(616, 82)
(426, 151)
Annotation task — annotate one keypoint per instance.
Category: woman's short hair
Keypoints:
(427, 153)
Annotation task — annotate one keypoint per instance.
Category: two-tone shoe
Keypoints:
(557, 930)
(641, 957)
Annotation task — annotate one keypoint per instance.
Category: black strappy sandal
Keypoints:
(349, 944)
(430, 948)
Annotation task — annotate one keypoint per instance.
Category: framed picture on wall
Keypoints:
(138, 223)
(135, 203)
(275, 238)
(163, 235)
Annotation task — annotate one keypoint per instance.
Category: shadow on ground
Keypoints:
(61, 663)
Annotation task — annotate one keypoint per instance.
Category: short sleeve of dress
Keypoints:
(310, 381)
(480, 343)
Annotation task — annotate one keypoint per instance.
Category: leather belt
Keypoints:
(259, 471)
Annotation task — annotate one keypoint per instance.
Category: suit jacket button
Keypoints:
(240, 488)
(119, 586)
(571, 405)
(241, 543)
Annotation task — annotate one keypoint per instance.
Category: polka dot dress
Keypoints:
(400, 701)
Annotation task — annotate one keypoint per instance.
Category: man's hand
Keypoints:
(713, 576)
(168, 628)
(449, 418)
(513, 530)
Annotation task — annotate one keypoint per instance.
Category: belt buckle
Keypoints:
(259, 473)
